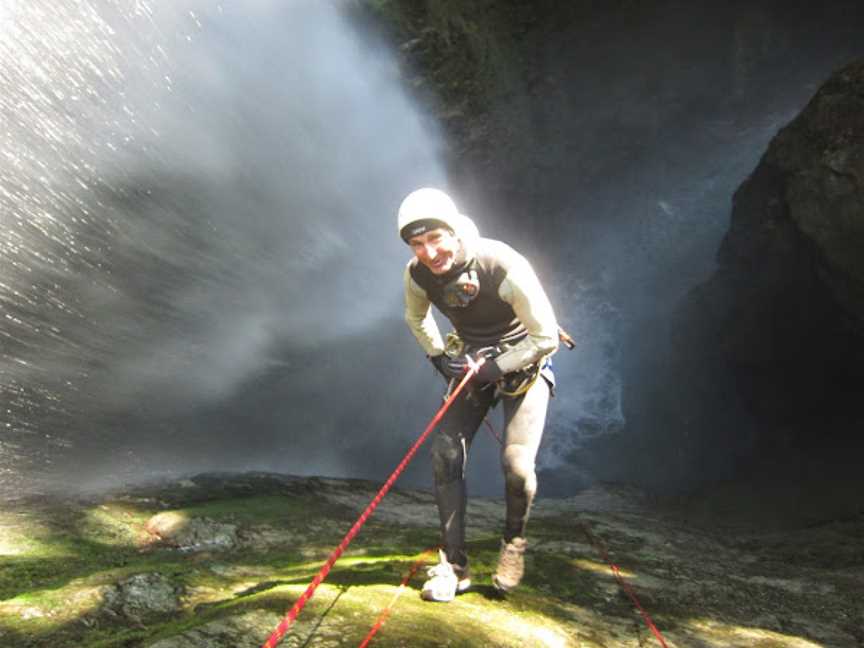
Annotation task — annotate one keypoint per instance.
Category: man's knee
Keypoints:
(518, 465)
(448, 457)
(517, 461)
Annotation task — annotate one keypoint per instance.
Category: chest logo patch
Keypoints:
(462, 290)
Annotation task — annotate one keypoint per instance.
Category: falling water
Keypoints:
(186, 187)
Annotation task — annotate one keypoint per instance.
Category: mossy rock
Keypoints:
(87, 573)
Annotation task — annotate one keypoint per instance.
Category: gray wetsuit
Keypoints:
(511, 313)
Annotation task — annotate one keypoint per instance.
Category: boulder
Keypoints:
(791, 276)
(178, 530)
(763, 364)
(142, 595)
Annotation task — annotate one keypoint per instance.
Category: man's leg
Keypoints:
(524, 420)
(450, 447)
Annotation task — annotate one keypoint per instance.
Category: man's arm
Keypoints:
(418, 316)
(522, 290)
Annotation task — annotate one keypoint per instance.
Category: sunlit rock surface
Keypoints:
(176, 530)
(85, 573)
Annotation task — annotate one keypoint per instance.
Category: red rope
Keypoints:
(601, 547)
(385, 613)
(286, 622)
(492, 431)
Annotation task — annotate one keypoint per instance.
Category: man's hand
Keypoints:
(456, 367)
(489, 372)
(450, 367)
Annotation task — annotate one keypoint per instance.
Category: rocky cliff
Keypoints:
(779, 328)
(793, 265)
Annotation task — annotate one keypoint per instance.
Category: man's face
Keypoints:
(436, 249)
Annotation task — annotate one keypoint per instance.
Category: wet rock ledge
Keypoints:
(216, 559)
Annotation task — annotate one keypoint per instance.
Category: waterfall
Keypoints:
(186, 188)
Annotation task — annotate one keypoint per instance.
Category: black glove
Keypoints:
(450, 367)
(489, 372)
(456, 367)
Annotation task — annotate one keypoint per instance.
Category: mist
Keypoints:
(193, 195)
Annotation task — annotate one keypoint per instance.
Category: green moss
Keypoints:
(73, 553)
(269, 509)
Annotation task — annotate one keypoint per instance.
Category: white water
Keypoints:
(186, 188)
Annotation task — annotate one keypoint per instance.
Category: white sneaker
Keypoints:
(445, 581)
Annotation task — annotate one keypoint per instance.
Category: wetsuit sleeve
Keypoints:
(522, 290)
(418, 316)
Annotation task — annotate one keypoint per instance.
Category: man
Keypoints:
(499, 310)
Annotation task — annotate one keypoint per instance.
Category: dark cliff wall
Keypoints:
(792, 269)
(545, 102)
(763, 364)
(763, 367)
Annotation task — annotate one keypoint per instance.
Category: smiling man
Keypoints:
(499, 310)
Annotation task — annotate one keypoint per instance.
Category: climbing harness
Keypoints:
(453, 345)
(522, 380)
(525, 379)
(510, 386)
(280, 631)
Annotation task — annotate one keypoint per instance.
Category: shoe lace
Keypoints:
(441, 569)
(511, 557)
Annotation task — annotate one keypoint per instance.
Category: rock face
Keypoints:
(792, 266)
(241, 631)
(768, 355)
(818, 163)
(142, 595)
(176, 530)
(764, 363)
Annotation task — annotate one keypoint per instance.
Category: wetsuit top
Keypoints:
(507, 304)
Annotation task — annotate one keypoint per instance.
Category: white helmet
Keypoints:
(427, 209)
